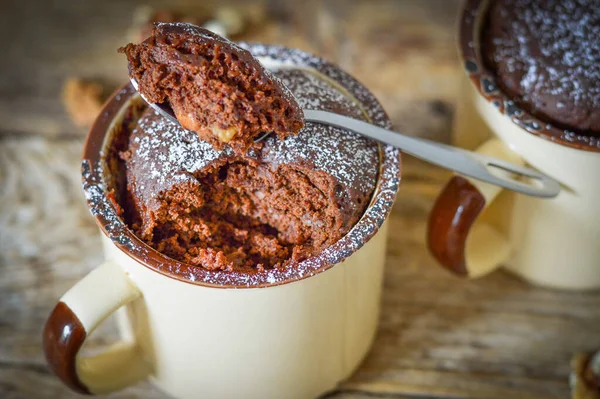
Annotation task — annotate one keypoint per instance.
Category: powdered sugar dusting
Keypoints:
(326, 147)
(358, 171)
(100, 206)
(168, 154)
(194, 30)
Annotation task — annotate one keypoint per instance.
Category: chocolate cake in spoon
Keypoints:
(215, 88)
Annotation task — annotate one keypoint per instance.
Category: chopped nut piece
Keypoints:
(225, 135)
(82, 100)
(232, 20)
(585, 376)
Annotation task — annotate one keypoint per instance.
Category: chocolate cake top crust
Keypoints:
(275, 205)
(215, 87)
(546, 57)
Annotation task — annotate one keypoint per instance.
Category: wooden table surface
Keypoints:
(439, 336)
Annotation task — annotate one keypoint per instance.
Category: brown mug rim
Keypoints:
(119, 233)
(485, 82)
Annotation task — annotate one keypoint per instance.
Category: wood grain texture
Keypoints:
(439, 336)
(409, 44)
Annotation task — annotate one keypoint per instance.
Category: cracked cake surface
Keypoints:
(280, 202)
(216, 88)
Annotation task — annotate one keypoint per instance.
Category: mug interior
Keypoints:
(98, 181)
(470, 30)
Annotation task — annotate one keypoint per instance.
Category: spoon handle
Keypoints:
(465, 162)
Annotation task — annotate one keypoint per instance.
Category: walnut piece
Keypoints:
(83, 101)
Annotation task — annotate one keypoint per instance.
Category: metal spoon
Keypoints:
(461, 161)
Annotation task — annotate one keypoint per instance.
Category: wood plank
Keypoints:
(439, 336)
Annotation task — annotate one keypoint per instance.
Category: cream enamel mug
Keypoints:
(475, 227)
(280, 333)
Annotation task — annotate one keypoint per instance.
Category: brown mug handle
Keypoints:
(454, 238)
(88, 303)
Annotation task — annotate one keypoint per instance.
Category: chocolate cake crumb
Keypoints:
(215, 88)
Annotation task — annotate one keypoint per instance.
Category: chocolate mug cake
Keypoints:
(237, 205)
(531, 95)
(278, 204)
(545, 56)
